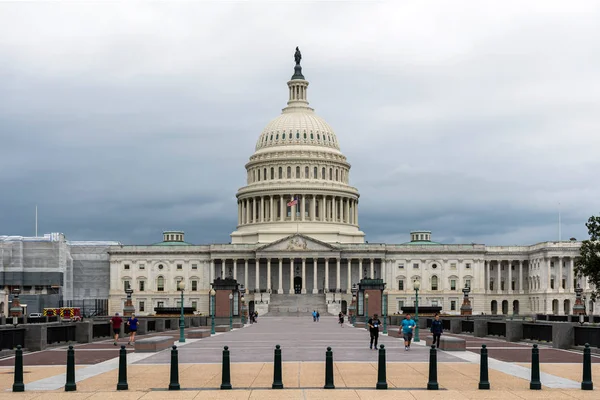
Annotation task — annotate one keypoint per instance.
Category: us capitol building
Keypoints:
(298, 242)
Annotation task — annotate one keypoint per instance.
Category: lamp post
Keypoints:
(366, 308)
(230, 311)
(417, 286)
(181, 319)
(354, 292)
(385, 300)
(212, 311)
(243, 310)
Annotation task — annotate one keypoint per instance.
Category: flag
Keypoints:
(293, 202)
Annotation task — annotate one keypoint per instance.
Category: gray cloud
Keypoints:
(471, 120)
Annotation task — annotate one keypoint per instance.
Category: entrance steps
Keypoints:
(297, 304)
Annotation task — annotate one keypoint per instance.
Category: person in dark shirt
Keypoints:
(374, 324)
(437, 327)
(116, 322)
(133, 325)
(341, 319)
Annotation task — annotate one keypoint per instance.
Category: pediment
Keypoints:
(298, 242)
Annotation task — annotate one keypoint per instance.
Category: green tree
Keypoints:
(588, 265)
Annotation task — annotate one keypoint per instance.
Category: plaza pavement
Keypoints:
(303, 344)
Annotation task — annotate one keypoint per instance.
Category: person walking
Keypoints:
(407, 328)
(116, 322)
(314, 314)
(341, 319)
(132, 322)
(318, 316)
(374, 324)
(437, 327)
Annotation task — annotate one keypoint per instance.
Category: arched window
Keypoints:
(298, 135)
(280, 173)
(323, 173)
(258, 175)
(336, 175)
(160, 284)
(283, 136)
(330, 174)
(304, 135)
(305, 172)
(272, 173)
(434, 283)
(289, 172)
(312, 136)
(264, 174)
(297, 172)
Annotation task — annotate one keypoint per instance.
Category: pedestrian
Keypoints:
(437, 327)
(341, 319)
(318, 316)
(314, 314)
(133, 325)
(116, 322)
(373, 324)
(407, 328)
(255, 316)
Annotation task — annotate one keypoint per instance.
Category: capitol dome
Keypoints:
(297, 179)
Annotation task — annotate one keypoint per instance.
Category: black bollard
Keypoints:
(381, 370)
(277, 381)
(70, 386)
(226, 374)
(329, 369)
(587, 383)
(535, 383)
(18, 385)
(433, 383)
(484, 383)
(122, 384)
(174, 384)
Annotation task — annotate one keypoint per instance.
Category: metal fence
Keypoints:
(496, 328)
(587, 334)
(60, 333)
(540, 332)
(89, 308)
(11, 338)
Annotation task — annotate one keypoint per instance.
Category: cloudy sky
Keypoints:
(473, 120)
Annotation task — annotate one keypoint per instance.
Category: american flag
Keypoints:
(293, 202)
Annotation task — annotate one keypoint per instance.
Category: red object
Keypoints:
(116, 322)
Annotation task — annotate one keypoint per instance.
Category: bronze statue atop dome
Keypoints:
(298, 67)
(297, 56)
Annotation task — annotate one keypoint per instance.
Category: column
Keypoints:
(548, 274)
(313, 207)
(520, 276)
(323, 208)
(372, 268)
(234, 268)
(211, 271)
(360, 269)
(327, 274)
(293, 210)
(488, 277)
(334, 208)
(509, 276)
(247, 211)
(282, 209)
(302, 214)
(291, 291)
(262, 209)
(356, 213)
(349, 267)
(304, 275)
(271, 217)
(337, 275)
(315, 287)
(223, 265)
(560, 274)
(347, 211)
(383, 271)
(257, 278)
(498, 275)
(246, 275)
(280, 289)
(239, 212)
(571, 279)
(268, 275)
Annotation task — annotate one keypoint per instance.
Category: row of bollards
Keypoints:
(432, 384)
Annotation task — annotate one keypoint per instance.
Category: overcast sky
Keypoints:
(473, 120)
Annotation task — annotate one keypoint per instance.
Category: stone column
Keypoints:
(257, 277)
(334, 212)
(235, 268)
(303, 212)
(315, 286)
(211, 271)
(337, 275)
(360, 269)
(280, 289)
(356, 213)
(271, 218)
(571, 277)
(262, 209)
(499, 277)
(291, 291)
(509, 277)
(326, 274)
(372, 268)
(560, 274)
(488, 276)
(383, 270)
(313, 207)
(255, 210)
(304, 276)
(347, 211)
(520, 278)
(268, 274)
(239, 213)
(349, 271)
(282, 208)
(246, 274)
(223, 265)
(247, 204)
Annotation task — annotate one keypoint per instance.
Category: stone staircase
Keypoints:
(296, 305)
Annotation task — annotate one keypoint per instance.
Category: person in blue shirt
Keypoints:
(437, 327)
(133, 325)
(407, 328)
(314, 315)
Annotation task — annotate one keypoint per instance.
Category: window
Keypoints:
(323, 173)
(194, 286)
(415, 265)
(452, 305)
(126, 285)
(38, 289)
(280, 173)
(142, 285)
(160, 284)
(195, 305)
(468, 265)
(512, 267)
(434, 283)
(452, 265)
(400, 305)
(551, 264)
(453, 284)
(501, 285)
(179, 266)
(434, 266)
(315, 173)
(401, 266)
(297, 172)
(160, 266)
(512, 285)
(160, 304)
(468, 283)
(194, 266)
(177, 280)
(564, 283)
(552, 283)
(289, 172)
(491, 285)
(272, 173)
(401, 284)
(305, 172)
(264, 174)
(141, 306)
(126, 266)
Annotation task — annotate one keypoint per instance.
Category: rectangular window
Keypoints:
(468, 283)
(142, 286)
(564, 283)
(502, 285)
(160, 304)
(434, 303)
(434, 285)
(415, 265)
(400, 305)
(194, 286)
(551, 264)
(491, 285)
(401, 285)
(512, 267)
(552, 283)
(126, 266)
(179, 266)
(141, 306)
(512, 285)
(177, 284)
(468, 265)
(452, 305)
(195, 305)
(38, 289)
(401, 266)
(452, 284)
(178, 303)
(142, 266)
(194, 266)
(453, 266)
(126, 285)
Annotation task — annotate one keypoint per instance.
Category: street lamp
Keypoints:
(230, 311)
(385, 306)
(366, 309)
(212, 311)
(243, 311)
(417, 286)
(354, 303)
(181, 319)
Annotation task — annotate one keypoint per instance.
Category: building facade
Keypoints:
(298, 235)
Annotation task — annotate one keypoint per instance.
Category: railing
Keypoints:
(558, 318)
(101, 330)
(60, 333)
(151, 325)
(539, 332)
(36, 320)
(167, 324)
(446, 324)
(496, 328)
(11, 338)
(467, 326)
(587, 334)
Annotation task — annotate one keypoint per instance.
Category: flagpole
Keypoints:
(36, 222)
(559, 224)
